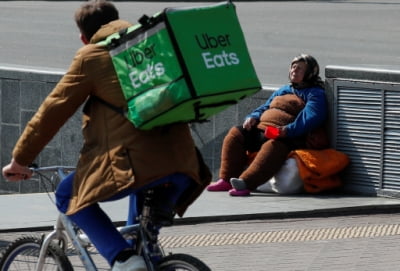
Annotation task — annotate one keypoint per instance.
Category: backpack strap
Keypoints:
(117, 109)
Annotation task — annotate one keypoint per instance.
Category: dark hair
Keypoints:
(93, 14)
(311, 76)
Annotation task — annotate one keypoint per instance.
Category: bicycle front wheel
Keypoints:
(23, 254)
(182, 262)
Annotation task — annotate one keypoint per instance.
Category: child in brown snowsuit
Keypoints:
(293, 111)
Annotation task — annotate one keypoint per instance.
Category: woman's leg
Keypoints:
(234, 156)
(234, 151)
(233, 159)
(267, 162)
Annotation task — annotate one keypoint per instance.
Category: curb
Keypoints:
(317, 213)
(329, 212)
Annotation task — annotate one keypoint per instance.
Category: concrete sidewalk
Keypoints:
(34, 211)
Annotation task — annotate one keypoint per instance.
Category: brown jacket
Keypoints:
(115, 154)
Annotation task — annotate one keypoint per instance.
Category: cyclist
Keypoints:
(116, 159)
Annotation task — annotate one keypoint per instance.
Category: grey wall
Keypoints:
(21, 93)
(364, 122)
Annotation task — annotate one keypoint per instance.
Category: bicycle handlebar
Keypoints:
(51, 168)
(59, 169)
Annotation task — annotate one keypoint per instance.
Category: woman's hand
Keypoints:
(282, 131)
(14, 172)
(249, 123)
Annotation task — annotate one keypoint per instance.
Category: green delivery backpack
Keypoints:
(182, 65)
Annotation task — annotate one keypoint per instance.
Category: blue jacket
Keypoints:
(313, 115)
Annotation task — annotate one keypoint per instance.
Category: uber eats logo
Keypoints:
(148, 62)
(221, 56)
(151, 71)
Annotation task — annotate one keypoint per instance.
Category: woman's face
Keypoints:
(297, 71)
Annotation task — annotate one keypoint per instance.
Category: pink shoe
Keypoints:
(219, 185)
(239, 193)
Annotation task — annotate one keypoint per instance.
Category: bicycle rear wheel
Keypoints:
(182, 262)
(23, 254)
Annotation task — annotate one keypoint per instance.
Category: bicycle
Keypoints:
(49, 251)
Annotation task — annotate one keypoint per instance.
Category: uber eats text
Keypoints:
(212, 56)
(152, 70)
(144, 66)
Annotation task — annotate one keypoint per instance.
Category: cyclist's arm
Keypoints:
(68, 95)
(15, 172)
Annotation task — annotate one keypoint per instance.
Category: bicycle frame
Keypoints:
(65, 231)
(63, 228)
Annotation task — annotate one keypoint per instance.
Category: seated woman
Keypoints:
(272, 130)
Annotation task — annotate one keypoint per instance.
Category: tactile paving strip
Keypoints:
(301, 235)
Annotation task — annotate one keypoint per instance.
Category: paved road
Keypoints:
(357, 243)
(363, 32)
(298, 232)
(353, 32)
(348, 243)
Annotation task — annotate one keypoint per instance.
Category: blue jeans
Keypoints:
(97, 224)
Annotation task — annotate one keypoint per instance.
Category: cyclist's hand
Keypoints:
(15, 172)
(249, 123)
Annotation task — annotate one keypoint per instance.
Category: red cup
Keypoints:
(271, 132)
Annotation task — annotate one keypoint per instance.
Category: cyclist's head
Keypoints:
(93, 14)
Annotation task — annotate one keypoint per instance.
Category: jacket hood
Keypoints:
(108, 29)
